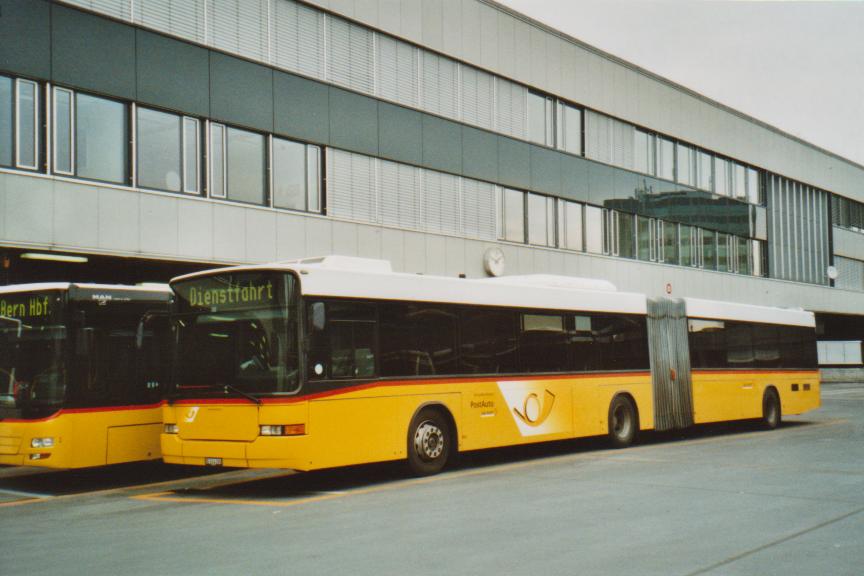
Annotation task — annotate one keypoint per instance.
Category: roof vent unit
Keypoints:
(555, 281)
(351, 263)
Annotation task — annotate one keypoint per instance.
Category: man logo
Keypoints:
(534, 412)
(191, 414)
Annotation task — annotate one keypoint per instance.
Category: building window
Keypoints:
(665, 158)
(709, 249)
(64, 131)
(7, 119)
(706, 174)
(688, 246)
(237, 164)
(722, 181)
(513, 215)
(541, 220)
(646, 231)
(743, 254)
(644, 152)
(594, 237)
(570, 225)
(541, 114)
(167, 151)
(754, 188)
(27, 124)
(620, 234)
(191, 156)
(569, 128)
(740, 186)
(724, 261)
(296, 176)
(686, 165)
(100, 138)
(669, 234)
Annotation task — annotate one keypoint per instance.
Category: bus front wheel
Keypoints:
(771, 414)
(429, 441)
(623, 422)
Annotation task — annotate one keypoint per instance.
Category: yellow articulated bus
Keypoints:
(81, 367)
(336, 361)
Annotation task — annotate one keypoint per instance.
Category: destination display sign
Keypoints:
(29, 307)
(230, 292)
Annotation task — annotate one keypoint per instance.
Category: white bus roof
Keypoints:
(18, 288)
(345, 277)
(349, 277)
(715, 310)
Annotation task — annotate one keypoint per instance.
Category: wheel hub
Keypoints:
(429, 441)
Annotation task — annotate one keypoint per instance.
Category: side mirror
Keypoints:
(319, 320)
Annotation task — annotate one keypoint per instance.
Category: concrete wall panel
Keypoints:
(260, 235)
(454, 257)
(172, 74)
(195, 230)
(393, 248)
(369, 241)
(432, 24)
(490, 34)
(291, 236)
(229, 233)
(471, 28)
(415, 252)
(119, 226)
(400, 133)
(353, 121)
(241, 92)
(390, 16)
(366, 11)
(159, 224)
(451, 13)
(442, 144)
(412, 27)
(344, 235)
(29, 209)
(319, 237)
(25, 27)
(92, 53)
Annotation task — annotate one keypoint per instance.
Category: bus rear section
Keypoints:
(81, 374)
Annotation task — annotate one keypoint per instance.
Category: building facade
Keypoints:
(140, 139)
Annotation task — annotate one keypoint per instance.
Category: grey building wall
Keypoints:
(54, 213)
(490, 36)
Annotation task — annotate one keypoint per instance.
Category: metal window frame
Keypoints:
(17, 129)
(72, 127)
(223, 168)
(185, 159)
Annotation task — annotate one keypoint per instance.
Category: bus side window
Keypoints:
(343, 345)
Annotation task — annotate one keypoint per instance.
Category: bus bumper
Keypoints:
(290, 452)
(27, 444)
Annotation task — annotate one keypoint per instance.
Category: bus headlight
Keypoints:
(171, 429)
(42, 443)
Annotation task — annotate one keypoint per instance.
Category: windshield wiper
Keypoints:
(229, 387)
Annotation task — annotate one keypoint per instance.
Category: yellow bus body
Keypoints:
(369, 423)
(84, 437)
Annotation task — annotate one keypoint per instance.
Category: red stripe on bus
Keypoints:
(388, 384)
(64, 411)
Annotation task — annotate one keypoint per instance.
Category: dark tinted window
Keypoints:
(620, 343)
(707, 343)
(543, 345)
(766, 351)
(344, 347)
(417, 339)
(488, 341)
(739, 345)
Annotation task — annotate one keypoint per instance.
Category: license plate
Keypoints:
(213, 461)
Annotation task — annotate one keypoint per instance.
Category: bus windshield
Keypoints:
(32, 368)
(236, 333)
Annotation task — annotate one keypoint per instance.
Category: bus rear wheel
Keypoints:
(429, 441)
(623, 422)
(771, 414)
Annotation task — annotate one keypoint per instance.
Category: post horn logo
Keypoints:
(191, 414)
(534, 411)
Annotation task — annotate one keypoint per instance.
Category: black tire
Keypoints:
(429, 442)
(771, 412)
(623, 422)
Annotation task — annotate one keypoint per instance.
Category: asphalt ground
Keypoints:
(725, 499)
